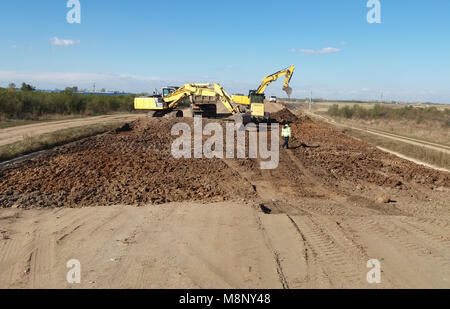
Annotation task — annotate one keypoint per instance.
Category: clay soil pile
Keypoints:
(336, 156)
(131, 166)
(134, 166)
(284, 116)
(341, 162)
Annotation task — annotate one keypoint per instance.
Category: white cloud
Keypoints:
(63, 42)
(323, 51)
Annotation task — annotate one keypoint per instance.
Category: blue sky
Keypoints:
(142, 45)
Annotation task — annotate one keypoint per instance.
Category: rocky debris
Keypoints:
(384, 199)
(135, 166)
(341, 157)
(132, 168)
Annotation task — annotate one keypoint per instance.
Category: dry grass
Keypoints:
(429, 124)
(426, 155)
(58, 138)
(428, 131)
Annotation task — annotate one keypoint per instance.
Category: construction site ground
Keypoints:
(135, 217)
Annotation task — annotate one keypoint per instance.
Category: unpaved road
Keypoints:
(310, 223)
(222, 245)
(16, 134)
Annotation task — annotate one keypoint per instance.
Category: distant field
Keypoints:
(436, 158)
(325, 105)
(427, 123)
(428, 131)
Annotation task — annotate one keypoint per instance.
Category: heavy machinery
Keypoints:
(255, 99)
(204, 98)
(155, 103)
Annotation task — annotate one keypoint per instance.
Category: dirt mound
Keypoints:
(284, 115)
(134, 166)
(335, 156)
(130, 167)
(273, 107)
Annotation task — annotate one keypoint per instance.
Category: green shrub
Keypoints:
(32, 105)
(334, 110)
(347, 112)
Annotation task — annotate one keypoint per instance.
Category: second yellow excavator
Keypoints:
(255, 99)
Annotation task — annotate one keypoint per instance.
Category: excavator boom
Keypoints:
(205, 90)
(171, 101)
(271, 78)
(257, 96)
(226, 99)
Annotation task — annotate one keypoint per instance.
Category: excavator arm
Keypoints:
(226, 100)
(271, 78)
(202, 96)
(206, 90)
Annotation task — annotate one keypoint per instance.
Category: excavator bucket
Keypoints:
(288, 91)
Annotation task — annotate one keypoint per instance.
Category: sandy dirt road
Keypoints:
(16, 134)
(313, 222)
(222, 245)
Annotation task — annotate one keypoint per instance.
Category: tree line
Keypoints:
(28, 104)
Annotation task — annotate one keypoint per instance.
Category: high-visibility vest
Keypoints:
(286, 132)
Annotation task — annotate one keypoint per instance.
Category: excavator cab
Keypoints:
(168, 90)
(257, 108)
(253, 103)
(255, 97)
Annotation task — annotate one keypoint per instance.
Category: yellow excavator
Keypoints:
(203, 97)
(255, 99)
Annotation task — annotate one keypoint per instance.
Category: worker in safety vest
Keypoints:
(286, 132)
